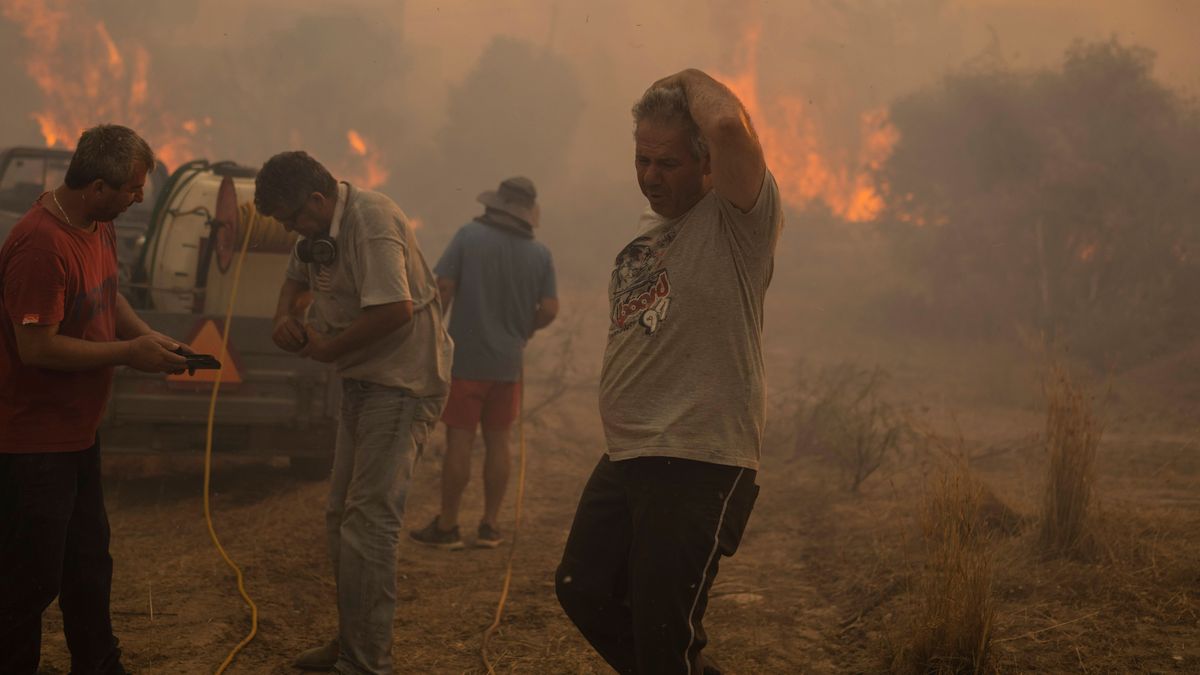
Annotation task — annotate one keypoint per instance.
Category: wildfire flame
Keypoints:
(357, 144)
(799, 157)
(368, 169)
(95, 81)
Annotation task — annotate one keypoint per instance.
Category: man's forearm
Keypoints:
(373, 324)
(288, 296)
(711, 103)
(68, 354)
(738, 166)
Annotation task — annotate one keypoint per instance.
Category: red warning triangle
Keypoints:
(206, 339)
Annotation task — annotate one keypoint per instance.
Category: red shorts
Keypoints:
(474, 402)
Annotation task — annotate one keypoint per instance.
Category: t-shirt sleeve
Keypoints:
(449, 266)
(382, 277)
(756, 229)
(549, 281)
(35, 282)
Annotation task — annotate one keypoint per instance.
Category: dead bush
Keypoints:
(842, 416)
(559, 363)
(952, 610)
(1072, 436)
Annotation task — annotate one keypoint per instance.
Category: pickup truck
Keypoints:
(176, 252)
(27, 172)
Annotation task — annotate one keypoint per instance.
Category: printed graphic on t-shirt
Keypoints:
(640, 289)
(91, 303)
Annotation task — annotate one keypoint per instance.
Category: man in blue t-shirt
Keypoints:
(501, 284)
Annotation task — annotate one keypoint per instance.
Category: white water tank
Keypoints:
(197, 235)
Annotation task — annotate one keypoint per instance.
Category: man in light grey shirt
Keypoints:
(375, 313)
(681, 387)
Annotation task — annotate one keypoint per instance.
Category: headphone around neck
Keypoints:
(321, 249)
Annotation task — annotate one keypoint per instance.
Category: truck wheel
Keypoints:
(310, 468)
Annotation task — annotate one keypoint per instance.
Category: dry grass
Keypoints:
(1072, 436)
(825, 581)
(843, 417)
(952, 617)
(559, 363)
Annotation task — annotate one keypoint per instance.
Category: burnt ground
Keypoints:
(823, 581)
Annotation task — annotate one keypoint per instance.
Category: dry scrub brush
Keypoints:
(843, 417)
(1072, 436)
(952, 612)
(560, 364)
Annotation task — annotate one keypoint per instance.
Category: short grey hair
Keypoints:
(107, 152)
(669, 104)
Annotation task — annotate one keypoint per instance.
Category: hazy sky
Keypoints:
(844, 53)
(278, 73)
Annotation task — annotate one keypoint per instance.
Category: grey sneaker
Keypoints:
(432, 535)
(318, 658)
(488, 537)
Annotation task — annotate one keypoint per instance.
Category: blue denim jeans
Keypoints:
(380, 434)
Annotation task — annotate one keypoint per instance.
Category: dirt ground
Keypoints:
(822, 582)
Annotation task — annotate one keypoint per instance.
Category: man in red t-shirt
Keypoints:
(63, 327)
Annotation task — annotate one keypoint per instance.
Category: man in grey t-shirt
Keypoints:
(501, 283)
(375, 313)
(681, 387)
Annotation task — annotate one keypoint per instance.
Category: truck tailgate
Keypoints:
(282, 405)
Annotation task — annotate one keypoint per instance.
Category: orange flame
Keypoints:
(97, 82)
(806, 169)
(116, 64)
(367, 168)
(357, 144)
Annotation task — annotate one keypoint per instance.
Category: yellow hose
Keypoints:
(208, 446)
(269, 234)
(512, 550)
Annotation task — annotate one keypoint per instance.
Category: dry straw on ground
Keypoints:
(1072, 436)
(953, 607)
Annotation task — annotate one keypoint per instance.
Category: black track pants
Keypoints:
(643, 553)
(54, 543)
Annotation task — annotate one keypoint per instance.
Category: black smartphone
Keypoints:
(201, 362)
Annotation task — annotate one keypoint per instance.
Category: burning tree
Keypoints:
(1063, 200)
(228, 100)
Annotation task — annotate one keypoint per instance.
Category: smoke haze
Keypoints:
(447, 98)
(961, 178)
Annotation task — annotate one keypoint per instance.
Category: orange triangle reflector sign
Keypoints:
(207, 340)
